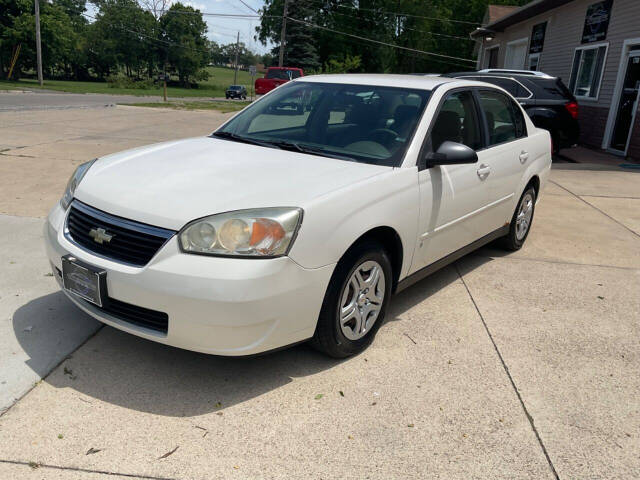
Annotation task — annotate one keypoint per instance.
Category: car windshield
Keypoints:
(235, 87)
(364, 123)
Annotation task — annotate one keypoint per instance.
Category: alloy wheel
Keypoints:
(362, 300)
(523, 219)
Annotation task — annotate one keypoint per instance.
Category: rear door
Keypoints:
(506, 155)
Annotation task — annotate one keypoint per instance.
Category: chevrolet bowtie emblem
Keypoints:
(100, 235)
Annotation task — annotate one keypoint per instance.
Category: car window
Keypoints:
(372, 124)
(505, 121)
(552, 89)
(457, 121)
(277, 73)
(510, 85)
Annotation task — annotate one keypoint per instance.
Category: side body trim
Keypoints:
(452, 257)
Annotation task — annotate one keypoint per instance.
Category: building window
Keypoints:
(534, 61)
(586, 74)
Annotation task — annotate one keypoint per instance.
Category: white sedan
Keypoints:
(299, 217)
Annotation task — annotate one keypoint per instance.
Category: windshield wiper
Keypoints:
(240, 138)
(310, 150)
(284, 145)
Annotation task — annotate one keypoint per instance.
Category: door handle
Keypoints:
(524, 156)
(483, 171)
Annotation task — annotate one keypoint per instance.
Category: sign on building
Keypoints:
(596, 22)
(537, 37)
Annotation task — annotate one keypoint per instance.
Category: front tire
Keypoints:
(521, 221)
(355, 302)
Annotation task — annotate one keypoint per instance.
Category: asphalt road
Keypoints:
(36, 100)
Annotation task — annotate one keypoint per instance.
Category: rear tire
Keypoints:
(355, 303)
(521, 221)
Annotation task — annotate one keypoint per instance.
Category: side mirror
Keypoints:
(451, 153)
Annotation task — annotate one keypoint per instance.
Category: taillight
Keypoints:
(572, 108)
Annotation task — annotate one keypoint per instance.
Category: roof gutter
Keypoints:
(525, 12)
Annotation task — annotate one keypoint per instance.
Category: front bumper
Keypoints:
(216, 305)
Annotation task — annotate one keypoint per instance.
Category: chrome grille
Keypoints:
(113, 237)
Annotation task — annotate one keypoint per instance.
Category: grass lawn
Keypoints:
(219, 80)
(224, 107)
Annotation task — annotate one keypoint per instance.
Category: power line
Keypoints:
(428, 32)
(439, 19)
(380, 42)
(248, 6)
(235, 16)
(149, 38)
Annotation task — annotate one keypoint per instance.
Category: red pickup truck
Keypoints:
(275, 77)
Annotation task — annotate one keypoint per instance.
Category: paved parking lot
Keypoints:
(524, 365)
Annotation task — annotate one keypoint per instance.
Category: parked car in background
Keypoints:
(292, 224)
(236, 91)
(275, 77)
(546, 100)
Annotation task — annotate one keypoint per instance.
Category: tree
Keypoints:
(60, 39)
(301, 49)
(427, 27)
(123, 36)
(185, 44)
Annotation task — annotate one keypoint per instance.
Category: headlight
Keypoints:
(73, 183)
(264, 232)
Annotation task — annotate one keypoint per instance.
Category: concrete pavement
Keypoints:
(521, 365)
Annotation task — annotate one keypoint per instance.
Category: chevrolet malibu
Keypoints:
(299, 217)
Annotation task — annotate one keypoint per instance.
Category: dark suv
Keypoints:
(236, 91)
(546, 99)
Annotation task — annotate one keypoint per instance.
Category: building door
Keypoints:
(515, 55)
(628, 103)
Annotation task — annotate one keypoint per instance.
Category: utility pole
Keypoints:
(38, 46)
(235, 73)
(283, 32)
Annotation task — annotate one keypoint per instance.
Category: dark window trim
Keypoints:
(486, 124)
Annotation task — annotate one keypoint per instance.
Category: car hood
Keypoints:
(170, 184)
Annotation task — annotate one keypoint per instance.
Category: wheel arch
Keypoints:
(390, 240)
(534, 182)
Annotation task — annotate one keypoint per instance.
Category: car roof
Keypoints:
(417, 82)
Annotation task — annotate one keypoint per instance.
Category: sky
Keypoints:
(224, 30)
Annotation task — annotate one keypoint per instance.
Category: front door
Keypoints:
(453, 197)
(628, 104)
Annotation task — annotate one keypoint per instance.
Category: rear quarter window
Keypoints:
(513, 87)
(551, 89)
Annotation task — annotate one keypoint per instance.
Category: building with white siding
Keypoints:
(594, 46)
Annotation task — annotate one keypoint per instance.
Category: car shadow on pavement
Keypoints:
(142, 375)
(431, 285)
